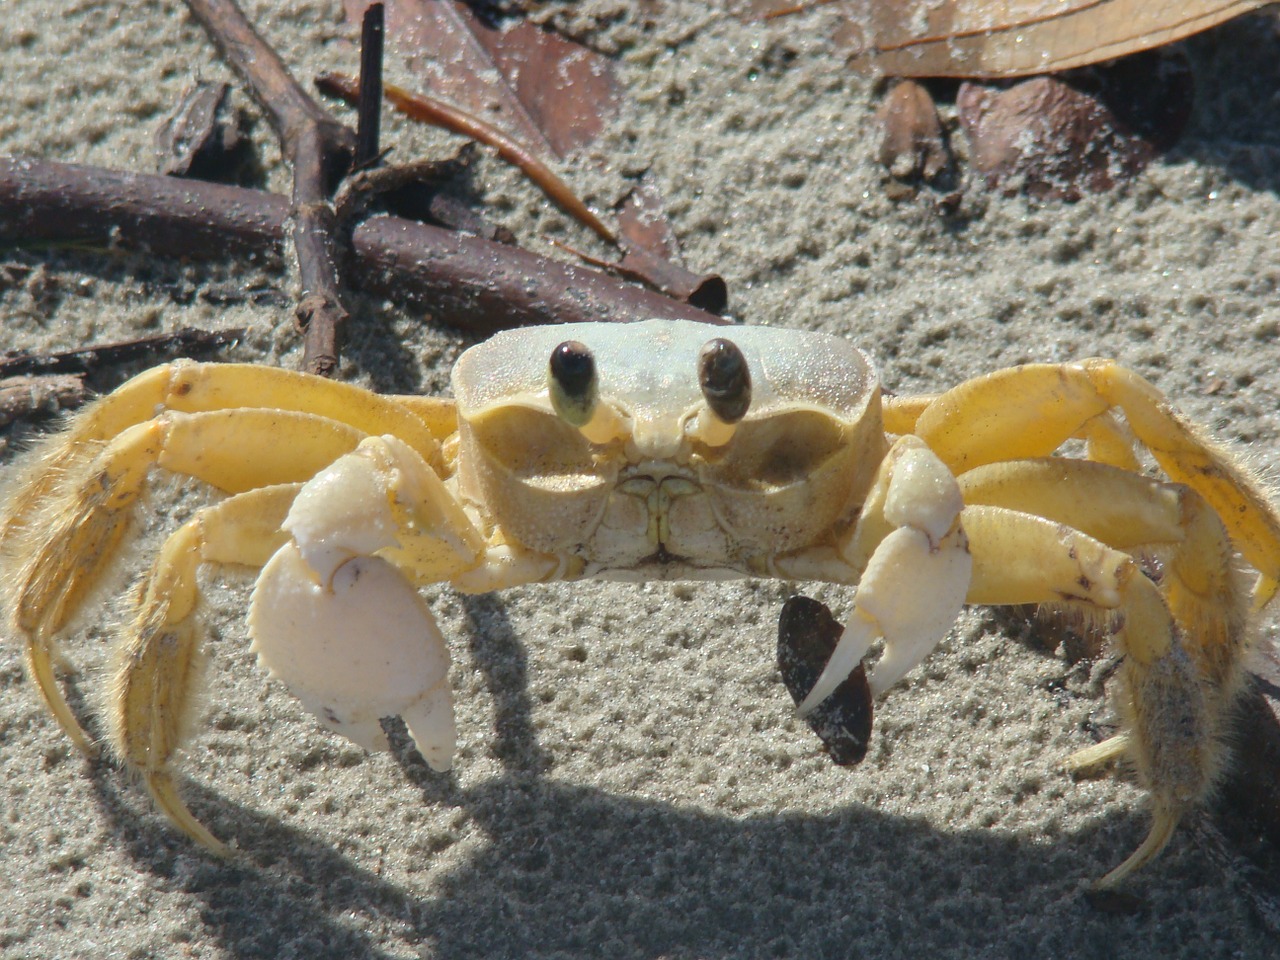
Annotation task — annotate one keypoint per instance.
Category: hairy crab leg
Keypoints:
(190, 387)
(1168, 525)
(1020, 558)
(332, 615)
(80, 529)
(1171, 529)
(158, 656)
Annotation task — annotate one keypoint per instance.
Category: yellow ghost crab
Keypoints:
(661, 450)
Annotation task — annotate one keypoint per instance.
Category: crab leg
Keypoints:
(158, 658)
(63, 555)
(190, 387)
(352, 639)
(1169, 523)
(976, 423)
(1019, 558)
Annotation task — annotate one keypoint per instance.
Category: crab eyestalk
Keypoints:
(725, 380)
(572, 383)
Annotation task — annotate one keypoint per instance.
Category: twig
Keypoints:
(24, 396)
(183, 342)
(430, 110)
(320, 150)
(464, 281)
(369, 109)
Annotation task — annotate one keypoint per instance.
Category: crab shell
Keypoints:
(657, 500)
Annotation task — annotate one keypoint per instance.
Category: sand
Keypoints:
(631, 780)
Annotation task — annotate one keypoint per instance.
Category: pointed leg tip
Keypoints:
(1162, 826)
(165, 794)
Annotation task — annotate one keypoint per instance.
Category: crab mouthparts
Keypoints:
(663, 557)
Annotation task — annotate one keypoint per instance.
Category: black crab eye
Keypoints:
(572, 382)
(725, 379)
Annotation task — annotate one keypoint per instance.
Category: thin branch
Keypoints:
(463, 281)
(419, 106)
(185, 342)
(22, 397)
(369, 109)
(320, 150)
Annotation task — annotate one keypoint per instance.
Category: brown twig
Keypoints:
(320, 150)
(185, 342)
(369, 108)
(437, 112)
(464, 281)
(22, 397)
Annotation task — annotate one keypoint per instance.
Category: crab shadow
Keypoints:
(570, 869)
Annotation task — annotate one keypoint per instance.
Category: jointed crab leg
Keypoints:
(1170, 524)
(67, 517)
(199, 387)
(975, 424)
(158, 658)
(83, 522)
(1019, 558)
(332, 616)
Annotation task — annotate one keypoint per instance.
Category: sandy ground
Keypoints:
(631, 781)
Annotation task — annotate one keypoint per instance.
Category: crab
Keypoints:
(659, 450)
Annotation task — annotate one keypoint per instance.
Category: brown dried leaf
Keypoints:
(545, 91)
(540, 88)
(1089, 130)
(913, 144)
(1014, 38)
(807, 634)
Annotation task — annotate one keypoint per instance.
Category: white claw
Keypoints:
(430, 723)
(361, 647)
(859, 634)
(928, 548)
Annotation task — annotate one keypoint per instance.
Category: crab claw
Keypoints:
(357, 648)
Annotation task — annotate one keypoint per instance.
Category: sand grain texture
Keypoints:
(631, 782)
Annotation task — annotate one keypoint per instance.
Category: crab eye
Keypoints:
(725, 379)
(572, 383)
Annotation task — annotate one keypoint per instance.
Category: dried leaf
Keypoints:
(1060, 136)
(539, 87)
(914, 145)
(1013, 38)
(807, 634)
(547, 92)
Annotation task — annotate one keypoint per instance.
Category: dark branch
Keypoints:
(463, 281)
(185, 342)
(320, 150)
(369, 109)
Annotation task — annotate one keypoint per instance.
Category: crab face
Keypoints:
(660, 450)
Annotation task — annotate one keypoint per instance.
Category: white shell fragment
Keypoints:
(364, 649)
